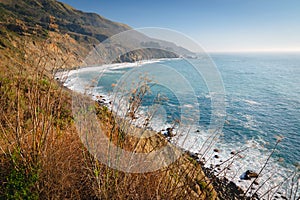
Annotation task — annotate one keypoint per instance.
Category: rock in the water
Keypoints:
(248, 175)
(251, 174)
(193, 155)
(216, 150)
(170, 132)
(255, 183)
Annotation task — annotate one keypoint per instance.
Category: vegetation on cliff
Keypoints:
(38, 18)
(41, 155)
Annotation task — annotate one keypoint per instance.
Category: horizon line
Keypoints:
(256, 51)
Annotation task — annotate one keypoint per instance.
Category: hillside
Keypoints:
(41, 155)
(38, 18)
(84, 27)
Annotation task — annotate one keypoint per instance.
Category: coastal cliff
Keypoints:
(41, 154)
(39, 19)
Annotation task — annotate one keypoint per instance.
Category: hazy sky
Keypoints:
(217, 25)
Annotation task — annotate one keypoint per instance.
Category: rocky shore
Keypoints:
(225, 188)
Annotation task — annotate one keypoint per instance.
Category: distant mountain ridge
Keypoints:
(68, 19)
(39, 17)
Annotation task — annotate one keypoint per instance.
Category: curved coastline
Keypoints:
(254, 158)
(225, 188)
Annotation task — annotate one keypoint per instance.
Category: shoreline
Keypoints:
(118, 64)
(225, 188)
(111, 66)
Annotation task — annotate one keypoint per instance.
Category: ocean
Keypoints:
(261, 104)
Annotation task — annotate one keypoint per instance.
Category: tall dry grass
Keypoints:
(42, 156)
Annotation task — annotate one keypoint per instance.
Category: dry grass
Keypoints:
(42, 156)
(183, 179)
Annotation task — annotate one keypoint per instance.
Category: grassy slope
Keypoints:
(41, 154)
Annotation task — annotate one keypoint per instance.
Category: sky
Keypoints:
(216, 25)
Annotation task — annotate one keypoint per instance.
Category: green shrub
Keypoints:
(21, 180)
